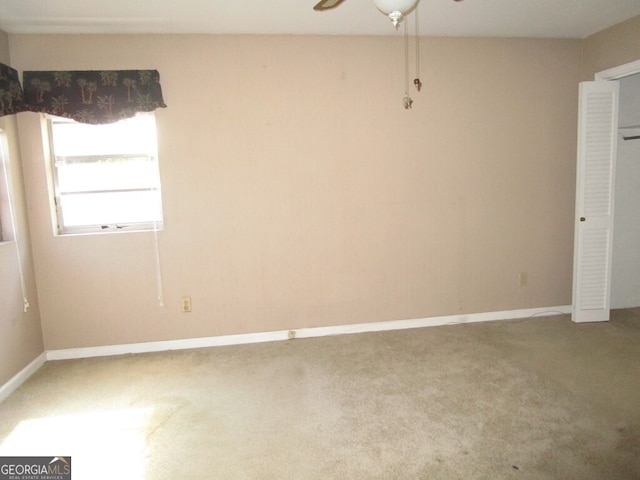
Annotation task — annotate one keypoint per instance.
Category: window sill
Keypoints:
(83, 231)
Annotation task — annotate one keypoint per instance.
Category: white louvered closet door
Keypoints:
(597, 135)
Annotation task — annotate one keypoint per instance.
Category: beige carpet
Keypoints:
(540, 398)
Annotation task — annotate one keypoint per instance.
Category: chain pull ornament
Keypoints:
(407, 101)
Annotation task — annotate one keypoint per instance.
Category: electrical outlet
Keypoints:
(523, 279)
(185, 304)
(291, 334)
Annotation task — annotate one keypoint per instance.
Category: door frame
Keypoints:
(618, 72)
(611, 74)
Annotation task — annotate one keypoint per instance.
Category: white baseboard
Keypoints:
(148, 347)
(18, 379)
(74, 353)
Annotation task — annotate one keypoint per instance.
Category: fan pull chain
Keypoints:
(407, 100)
(416, 81)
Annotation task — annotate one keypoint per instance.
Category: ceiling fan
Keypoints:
(329, 4)
(394, 9)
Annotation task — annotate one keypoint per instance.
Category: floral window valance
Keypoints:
(11, 96)
(94, 97)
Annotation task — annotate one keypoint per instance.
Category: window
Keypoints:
(6, 227)
(106, 177)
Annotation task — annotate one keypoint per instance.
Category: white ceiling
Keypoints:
(512, 18)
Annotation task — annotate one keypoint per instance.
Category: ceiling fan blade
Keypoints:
(327, 4)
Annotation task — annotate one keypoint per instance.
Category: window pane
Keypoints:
(134, 135)
(111, 208)
(107, 173)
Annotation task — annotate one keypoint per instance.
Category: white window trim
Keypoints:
(6, 213)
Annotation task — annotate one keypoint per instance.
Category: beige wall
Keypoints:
(298, 192)
(610, 48)
(20, 333)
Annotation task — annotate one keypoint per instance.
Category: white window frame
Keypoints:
(6, 214)
(98, 228)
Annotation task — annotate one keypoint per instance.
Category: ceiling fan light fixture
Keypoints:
(396, 10)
